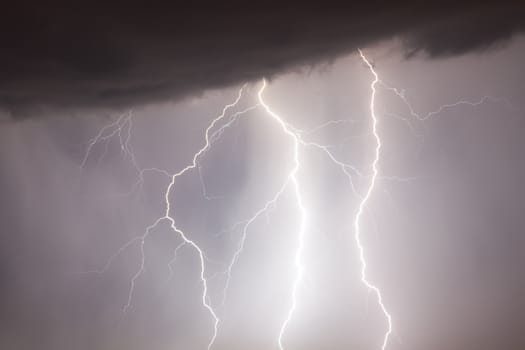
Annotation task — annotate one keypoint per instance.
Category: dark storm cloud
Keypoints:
(66, 54)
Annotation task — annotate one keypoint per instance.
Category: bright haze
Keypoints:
(442, 231)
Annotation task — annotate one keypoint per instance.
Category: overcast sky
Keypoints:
(443, 229)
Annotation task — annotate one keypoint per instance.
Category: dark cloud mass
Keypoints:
(115, 54)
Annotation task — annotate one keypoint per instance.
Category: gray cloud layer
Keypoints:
(122, 54)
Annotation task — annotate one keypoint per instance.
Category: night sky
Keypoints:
(443, 230)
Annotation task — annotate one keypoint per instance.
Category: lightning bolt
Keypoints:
(116, 129)
(302, 228)
(362, 205)
(364, 200)
(186, 240)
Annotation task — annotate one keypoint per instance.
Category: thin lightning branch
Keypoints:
(302, 228)
(346, 168)
(114, 128)
(125, 145)
(112, 257)
(98, 138)
(366, 197)
(242, 241)
(233, 118)
(140, 182)
(230, 229)
(401, 94)
(329, 123)
(122, 124)
(325, 148)
(213, 138)
(423, 117)
(409, 124)
(172, 261)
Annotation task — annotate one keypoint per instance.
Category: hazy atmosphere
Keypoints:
(299, 178)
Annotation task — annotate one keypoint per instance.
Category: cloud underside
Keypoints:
(72, 55)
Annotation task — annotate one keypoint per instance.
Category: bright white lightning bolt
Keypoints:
(364, 200)
(302, 228)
